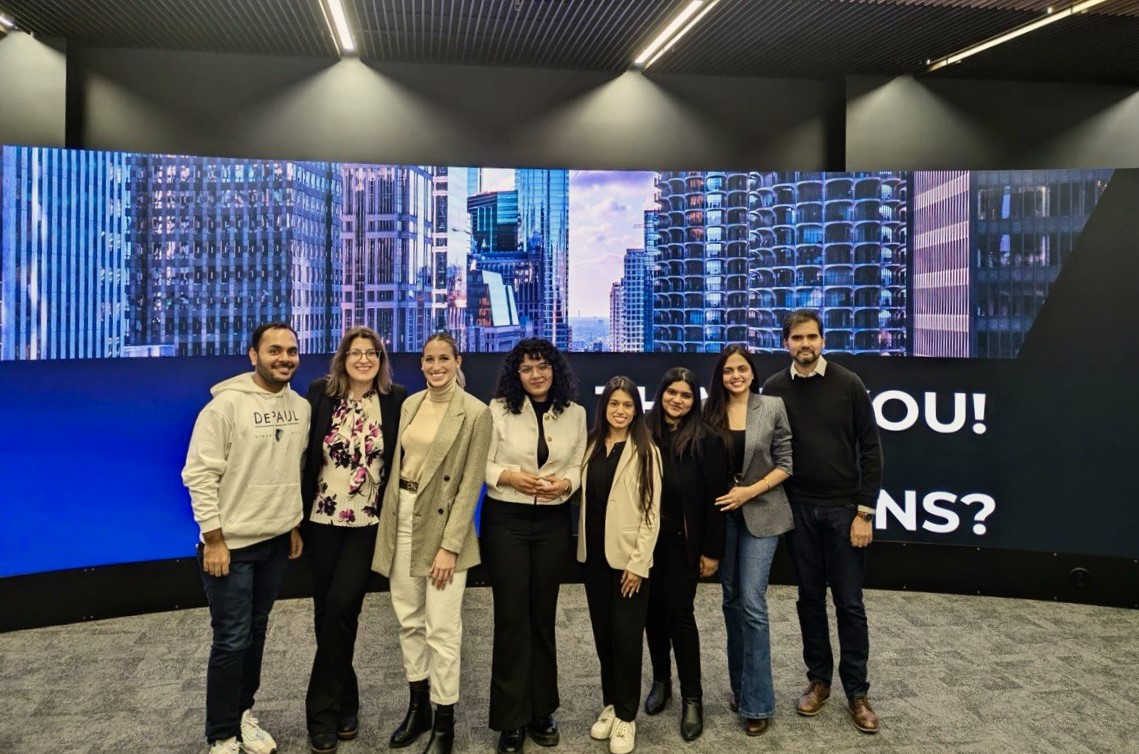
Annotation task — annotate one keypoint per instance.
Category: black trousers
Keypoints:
(618, 625)
(341, 561)
(526, 549)
(671, 620)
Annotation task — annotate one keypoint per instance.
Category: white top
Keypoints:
(514, 447)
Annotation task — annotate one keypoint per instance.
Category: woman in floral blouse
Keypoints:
(355, 415)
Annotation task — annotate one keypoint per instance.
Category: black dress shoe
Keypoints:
(348, 728)
(544, 731)
(691, 719)
(323, 743)
(659, 695)
(510, 741)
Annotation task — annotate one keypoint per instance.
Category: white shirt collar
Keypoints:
(820, 370)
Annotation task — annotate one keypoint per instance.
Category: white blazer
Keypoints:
(514, 447)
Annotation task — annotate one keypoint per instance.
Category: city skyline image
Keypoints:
(110, 255)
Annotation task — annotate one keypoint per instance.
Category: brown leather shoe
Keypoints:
(756, 726)
(864, 718)
(813, 699)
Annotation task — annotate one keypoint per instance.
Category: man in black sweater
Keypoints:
(833, 493)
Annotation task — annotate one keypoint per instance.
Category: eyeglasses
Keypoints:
(542, 368)
(356, 353)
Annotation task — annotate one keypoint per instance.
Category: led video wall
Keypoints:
(129, 283)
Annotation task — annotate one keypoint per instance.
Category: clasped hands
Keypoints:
(544, 488)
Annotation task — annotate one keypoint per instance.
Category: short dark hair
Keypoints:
(255, 339)
(563, 387)
(801, 317)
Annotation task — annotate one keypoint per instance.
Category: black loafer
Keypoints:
(510, 741)
(544, 731)
(348, 728)
(691, 719)
(323, 743)
(659, 695)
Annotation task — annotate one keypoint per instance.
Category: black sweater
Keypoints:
(834, 438)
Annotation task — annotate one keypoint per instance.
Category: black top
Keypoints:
(598, 484)
(834, 438)
(689, 488)
(739, 440)
(540, 409)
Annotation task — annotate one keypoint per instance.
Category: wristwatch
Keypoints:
(867, 517)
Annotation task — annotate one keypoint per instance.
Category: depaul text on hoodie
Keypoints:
(243, 468)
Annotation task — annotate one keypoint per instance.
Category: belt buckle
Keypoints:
(410, 486)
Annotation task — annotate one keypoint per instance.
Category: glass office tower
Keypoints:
(543, 212)
(64, 253)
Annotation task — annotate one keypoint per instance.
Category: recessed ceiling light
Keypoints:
(1040, 23)
(338, 25)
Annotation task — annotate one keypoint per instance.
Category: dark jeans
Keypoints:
(239, 613)
(618, 625)
(341, 562)
(525, 548)
(822, 556)
(671, 618)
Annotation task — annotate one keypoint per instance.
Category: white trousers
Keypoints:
(430, 620)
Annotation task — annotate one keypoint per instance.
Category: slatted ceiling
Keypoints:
(792, 38)
(1073, 50)
(286, 27)
(820, 38)
(597, 34)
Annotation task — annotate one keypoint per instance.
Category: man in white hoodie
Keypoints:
(243, 471)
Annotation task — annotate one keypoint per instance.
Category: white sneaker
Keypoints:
(254, 740)
(604, 725)
(623, 738)
(226, 746)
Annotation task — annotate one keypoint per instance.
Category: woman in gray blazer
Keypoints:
(758, 439)
(426, 540)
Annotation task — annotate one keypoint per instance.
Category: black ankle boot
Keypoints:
(691, 719)
(418, 718)
(659, 695)
(443, 732)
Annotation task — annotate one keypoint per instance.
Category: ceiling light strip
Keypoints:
(1020, 31)
(339, 25)
(7, 23)
(668, 31)
(682, 32)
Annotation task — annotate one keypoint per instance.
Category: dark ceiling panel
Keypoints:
(786, 38)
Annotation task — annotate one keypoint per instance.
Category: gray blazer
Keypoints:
(449, 487)
(767, 445)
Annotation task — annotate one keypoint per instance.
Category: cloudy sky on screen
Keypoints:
(606, 217)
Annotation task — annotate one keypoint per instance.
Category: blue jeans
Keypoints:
(239, 613)
(822, 556)
(743, 576)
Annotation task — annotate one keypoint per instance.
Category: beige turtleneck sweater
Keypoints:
(420, 433)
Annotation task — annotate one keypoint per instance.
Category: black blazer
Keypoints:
(704, 480)
(322, 408)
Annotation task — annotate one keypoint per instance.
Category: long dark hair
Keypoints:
(716, 408)
(690, 431)
(338, 384)
(638, 433)
(563, 383)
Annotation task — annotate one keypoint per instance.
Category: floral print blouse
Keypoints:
(349, 483)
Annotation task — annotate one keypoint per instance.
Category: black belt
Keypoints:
(405, 484)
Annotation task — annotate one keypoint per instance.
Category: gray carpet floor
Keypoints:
(948, 674)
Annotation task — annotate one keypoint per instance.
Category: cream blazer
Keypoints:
(514, 447)
(629, 538)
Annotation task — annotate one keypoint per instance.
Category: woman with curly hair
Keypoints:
(355, 414)
(617, 531)
(533, 467)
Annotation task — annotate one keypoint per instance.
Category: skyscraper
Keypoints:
(942, 274)
(390, 273)
(452, 243)
(64, 253)
(497, 248)
(543, 211)
(616, 317)
(652, 257)
(220, 246)
(636, 292)
(739, 251)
